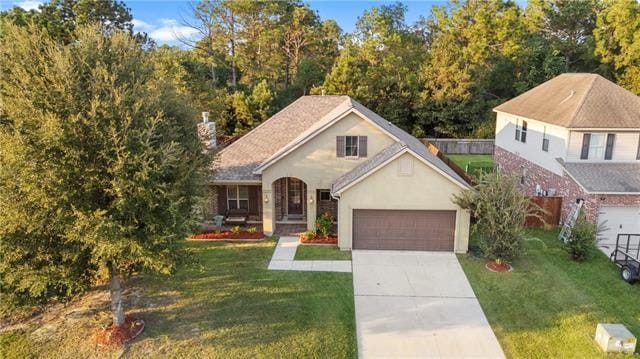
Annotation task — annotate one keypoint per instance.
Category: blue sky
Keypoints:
(162, 19)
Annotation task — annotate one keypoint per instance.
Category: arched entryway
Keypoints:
(290, 204)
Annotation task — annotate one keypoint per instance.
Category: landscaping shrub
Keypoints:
(582, 239)
(236, 229)
(308, 234)
(252, 229)
(500, 210)
(323, 224)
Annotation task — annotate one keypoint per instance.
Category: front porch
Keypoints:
(288, 208)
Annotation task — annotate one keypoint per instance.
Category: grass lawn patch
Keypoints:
(321, 253)
(463, 160)
(549, 306)
(223, 305)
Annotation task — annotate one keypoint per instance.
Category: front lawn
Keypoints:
(548, 307)
(311, 252)
(227, 305)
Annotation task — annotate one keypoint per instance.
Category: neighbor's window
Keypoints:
(597, 145)
(521, 130)
(325, 196)
(351, 146)
(238, 197)
(545, 140)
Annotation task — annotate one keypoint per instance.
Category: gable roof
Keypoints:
(237, 161)
(578, 100)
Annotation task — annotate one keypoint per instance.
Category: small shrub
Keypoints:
(323, 224)
(236, 229)
(252, 229)
(308, 235)
(582, 239)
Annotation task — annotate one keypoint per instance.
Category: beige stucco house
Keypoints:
(330, 154)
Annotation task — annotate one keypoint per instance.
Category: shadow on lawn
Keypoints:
(230, 301)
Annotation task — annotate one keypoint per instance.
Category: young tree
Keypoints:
(500, 210)
(100, 163)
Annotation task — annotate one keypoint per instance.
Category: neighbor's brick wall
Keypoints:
(564, 185)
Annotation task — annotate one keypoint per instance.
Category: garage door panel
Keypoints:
(403, 230)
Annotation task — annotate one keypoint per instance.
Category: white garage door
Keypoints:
(617, 220)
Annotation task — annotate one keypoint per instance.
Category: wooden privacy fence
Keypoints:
(462, 146)
(457, 169)
(552, 207)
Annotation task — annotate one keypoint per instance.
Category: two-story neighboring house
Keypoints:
(330, 154)
(576, 136)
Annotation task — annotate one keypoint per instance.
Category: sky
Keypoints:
(163, 19)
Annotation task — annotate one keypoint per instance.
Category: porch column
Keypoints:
(268, 210)
(311, 207)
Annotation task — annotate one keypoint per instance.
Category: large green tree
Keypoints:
(617, 36)
(100, 163)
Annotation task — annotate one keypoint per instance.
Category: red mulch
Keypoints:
(318, 239)
(224, 235)
(114, 336)
(495, 267)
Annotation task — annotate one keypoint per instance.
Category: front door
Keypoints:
(294, 197)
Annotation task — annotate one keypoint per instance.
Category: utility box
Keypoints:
(615, 338)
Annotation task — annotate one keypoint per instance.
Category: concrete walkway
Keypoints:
(418, 304)
(285, 252)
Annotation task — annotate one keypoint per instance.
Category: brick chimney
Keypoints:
(207, 131)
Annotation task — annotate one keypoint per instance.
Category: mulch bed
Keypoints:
(228, 235)
(114, 336)
(319, 240)
(500, 268)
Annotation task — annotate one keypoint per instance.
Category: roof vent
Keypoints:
(322, 92)
(568, 97)
(205, 117)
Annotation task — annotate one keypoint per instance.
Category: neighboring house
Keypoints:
(576, 136)
(330, 154)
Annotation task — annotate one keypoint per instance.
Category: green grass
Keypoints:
(548, 307)
(311, 252)
(463, 160)
(225, 306)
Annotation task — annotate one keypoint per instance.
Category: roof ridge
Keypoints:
(582, 101)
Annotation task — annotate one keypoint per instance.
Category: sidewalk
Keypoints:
(285, 252)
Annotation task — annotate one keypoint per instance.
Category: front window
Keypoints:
(238, 197)
(597, 145)
(351, 146)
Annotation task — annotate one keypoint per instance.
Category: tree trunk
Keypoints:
(234, 80)
(117, 307)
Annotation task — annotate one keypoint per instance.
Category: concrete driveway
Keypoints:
(418, 304)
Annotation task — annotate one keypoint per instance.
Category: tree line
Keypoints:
(439, 76)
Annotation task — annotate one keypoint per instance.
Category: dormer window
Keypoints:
(521, 130)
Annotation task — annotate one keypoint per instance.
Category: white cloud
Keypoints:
(167, 31)
(28, 4)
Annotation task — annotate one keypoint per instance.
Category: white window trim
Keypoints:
(357, 155)
(238, 198)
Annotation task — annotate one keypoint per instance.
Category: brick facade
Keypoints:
(280, 198)
(565, 187)
(330, 207)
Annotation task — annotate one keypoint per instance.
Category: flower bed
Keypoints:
(498, 267)
(319, 239)
(228, 235)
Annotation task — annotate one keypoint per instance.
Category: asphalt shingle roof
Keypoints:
(237, 161)
(605, 177)
(578, 100)
(292, 125)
